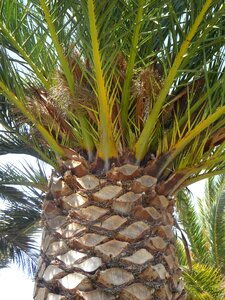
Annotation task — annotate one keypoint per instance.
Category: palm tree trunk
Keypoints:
(107, 237)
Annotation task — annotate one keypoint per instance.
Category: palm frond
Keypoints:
(192, 228)
(212, 213)
(24, 176)
(142, 77)
(21, 191)
(204, 283)
(17, 226)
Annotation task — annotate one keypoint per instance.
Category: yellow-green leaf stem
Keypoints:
(19, 104)
(197, 168)
(130, 66)
(25, 55)
(63, 61)
(88, 143)
(141, 146)
(178, 148)
(106, 148)
(201, 177)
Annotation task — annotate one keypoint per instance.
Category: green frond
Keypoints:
(126, 93)
(23, 54)
(17, 243)
(25, 176)
(107, 78)
(62, 58)
(204, 283)
(21, 192)
(142, 143)
(181, 253)
(13, 90)
(192, 227)
(106, 148)
(212, 212)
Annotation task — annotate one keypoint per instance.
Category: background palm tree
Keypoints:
(125, 100)
(20, 214)
(203, 223)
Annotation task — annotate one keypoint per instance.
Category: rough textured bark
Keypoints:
(107, 237)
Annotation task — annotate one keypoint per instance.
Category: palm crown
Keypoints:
(139, 80)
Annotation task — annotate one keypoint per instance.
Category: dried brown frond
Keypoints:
(49, 114)
(217, 139)
(146, 89)
(121, 67)
(84, 100)
(178, 103)
(60, 93)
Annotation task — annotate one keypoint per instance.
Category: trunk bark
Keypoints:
(107, 237)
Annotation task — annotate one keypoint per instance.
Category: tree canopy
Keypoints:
(109, 78)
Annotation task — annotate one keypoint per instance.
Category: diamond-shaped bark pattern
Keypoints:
(57, 248)
(165, 232)
(52, 272)
(148, 213)
(139, 257)
(143, 183)
(70, 230)
(112, 223)
(41, 294)
(96, 295)
(52, 296)
(111, 248)
(50, 209)
(90, 240)
(71, 257)
(160, 202)
(155, 272)
(133, 231)
(59, 188)
(91, 213)
(75, 281)
(90, 265)
(124, 172)
(88, 182)
(170, 219)
(171, 250)
(107, 193)
(74, 201)
(114, 277)
(46, 240)
(160, 269)
(129, 197)
(77, 167)
(108, 237)
(137, 291)
(170, 261)
(56, 222)
(125, 203)
(156, 243)
(164, 293)
(41, 270)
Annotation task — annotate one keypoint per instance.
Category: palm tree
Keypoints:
(17, 240)
(203, 223)
(125, 99)
(20, 214)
